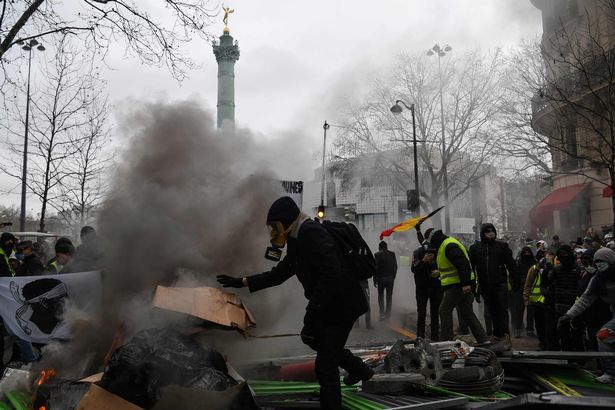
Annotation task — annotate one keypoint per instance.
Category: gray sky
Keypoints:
(297, 57)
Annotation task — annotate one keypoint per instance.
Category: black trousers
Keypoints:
(434, 297)
(495, 298)
(539, 314)
(517, 309)
(330, 356)
(385, 284)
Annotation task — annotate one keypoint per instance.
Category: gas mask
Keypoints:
(278, 236)
(602, 266)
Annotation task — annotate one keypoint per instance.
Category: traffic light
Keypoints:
(412, 200)
(321, 212)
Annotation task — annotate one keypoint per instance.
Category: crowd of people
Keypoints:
(565, 293)
(33, 258)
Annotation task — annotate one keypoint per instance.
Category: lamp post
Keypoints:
(441, 52)
(28, 46)
(321, 208)
(397, 109)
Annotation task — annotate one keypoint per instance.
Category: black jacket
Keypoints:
(456, 256)
(524, 263)
(386, 264)
(31, 266)
(491, 259)
(329, 286)
(422, 271)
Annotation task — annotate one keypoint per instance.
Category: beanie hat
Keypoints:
(23, 245)
(284, 210)
(382, 245)
(6, 236)
(64, 245)
(606, 255)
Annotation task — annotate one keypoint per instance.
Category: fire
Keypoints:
(45, 375)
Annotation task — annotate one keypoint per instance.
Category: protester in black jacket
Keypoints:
(89, 255)
(428, 289)
(335, 297)
(31, 264)
(386, 269)
(515, 298)
(493, 262)
(562, 283)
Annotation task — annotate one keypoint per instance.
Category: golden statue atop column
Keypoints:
(227, 11)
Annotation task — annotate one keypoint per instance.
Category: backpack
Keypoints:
(357, 255)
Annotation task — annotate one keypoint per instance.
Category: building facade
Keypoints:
(574, 111)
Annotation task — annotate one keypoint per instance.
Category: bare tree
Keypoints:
(471, 101)
(85, 185)
(58, 116)
(526, 150)
(155, 41)
(572, 79)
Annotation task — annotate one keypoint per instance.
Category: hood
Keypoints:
(436, 237)
(566, 255)
(484, 227)
(606, 255)
(527, 259)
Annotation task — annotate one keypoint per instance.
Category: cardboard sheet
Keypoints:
(98, 398)
(207, 303)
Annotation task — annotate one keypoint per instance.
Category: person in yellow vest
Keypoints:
(457, 281)
(534, 300)
(7, 245)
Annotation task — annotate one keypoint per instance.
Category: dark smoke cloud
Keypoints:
(184, 195)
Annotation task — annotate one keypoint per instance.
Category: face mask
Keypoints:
(602, 266)
(425, 245)
(590, 269)
(490, 235)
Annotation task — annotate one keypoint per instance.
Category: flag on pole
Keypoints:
(408, 224)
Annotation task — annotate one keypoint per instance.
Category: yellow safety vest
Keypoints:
(535, 293)
(6, 259)
(448, 272)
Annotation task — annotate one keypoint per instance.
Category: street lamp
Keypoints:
(28, 46)
(321, 208)
(441, 52)
(397, 109)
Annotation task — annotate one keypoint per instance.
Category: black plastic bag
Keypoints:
(156, 358)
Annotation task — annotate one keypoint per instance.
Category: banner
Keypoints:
(32, 307)
(294, 189)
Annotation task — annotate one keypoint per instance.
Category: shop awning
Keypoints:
(607, 192)
(556, 200)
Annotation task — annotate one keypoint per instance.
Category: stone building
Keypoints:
(574, 111)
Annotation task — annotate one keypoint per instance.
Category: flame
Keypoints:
(45, 375)
(42, 408)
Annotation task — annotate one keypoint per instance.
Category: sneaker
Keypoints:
(383, 318)
(354, 378)
(606, 378)
(517, 333)
(530, 333)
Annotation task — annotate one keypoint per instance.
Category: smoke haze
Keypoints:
(184, 195)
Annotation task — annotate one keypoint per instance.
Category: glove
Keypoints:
(563, 323)
(312, 327)
(229, 281)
